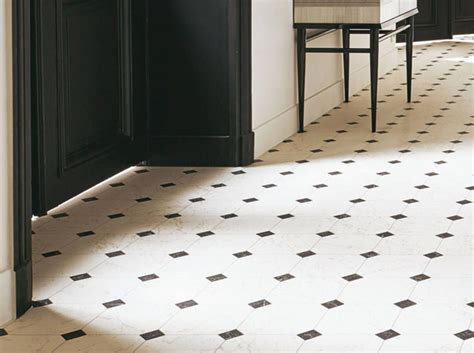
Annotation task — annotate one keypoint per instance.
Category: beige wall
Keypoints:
(7, 302)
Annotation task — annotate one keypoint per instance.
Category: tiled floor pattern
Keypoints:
(337, 240)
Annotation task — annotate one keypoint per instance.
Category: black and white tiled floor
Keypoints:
(337, 240)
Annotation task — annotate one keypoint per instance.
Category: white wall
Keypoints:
(7, 297)
(274, 91)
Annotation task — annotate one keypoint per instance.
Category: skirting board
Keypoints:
(284, 125)
(7, 304)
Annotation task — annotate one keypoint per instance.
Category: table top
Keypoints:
(363, 12)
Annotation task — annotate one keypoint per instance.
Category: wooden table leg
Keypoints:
(409, 51)
(346, 43)
(374, 73)
(301, 48)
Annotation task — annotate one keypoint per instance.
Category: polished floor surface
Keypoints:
(337, 240)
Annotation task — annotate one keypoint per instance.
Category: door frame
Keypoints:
(22, 210)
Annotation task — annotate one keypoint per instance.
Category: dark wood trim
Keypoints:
(22, 154)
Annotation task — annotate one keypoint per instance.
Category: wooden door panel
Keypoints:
(82, 120)
(432, 22)
(463, 16)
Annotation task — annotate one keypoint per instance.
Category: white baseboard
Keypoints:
(285, 124)
(7, 297)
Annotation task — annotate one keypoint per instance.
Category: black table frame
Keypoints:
(377, 33)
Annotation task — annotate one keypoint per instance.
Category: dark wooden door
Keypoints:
(463, 17)
(83, 130)
(441, 19)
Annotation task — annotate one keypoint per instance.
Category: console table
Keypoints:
(372, 17)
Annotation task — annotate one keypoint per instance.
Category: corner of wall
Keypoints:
(7, 274)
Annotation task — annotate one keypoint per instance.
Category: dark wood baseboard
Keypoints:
(201, 151)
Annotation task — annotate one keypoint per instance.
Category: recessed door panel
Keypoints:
(83, 118)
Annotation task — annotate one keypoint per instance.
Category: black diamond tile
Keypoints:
(116, 215)
(117, 185)
(242, 254)
(369, 254)
(330, 140)
(86, 233)
(269, 186)
(60, 215)
(146, 233)
(179, 254)
(142, 171)
(229, 216)
(320, 186)
(352, 277)
(143, 199)
(386, 335)
(287, 141)
(349, 161)
(405, 304)
(238, 172)
(398, 216)
(306, 253)
(465, 335)
(303, 161)
(395, 162)
(433, 255)
(334, 173)
(265, 234)
(230, 334)
(286, 173)
(285, 277)
(250, 200)
(455, 218)
(220, 185)
(216, 278)
(151, 335)
(383, 173)
(421, 187)
(420, 277)
(371, 186)
(52, 253)
(115, 254)
(431, 174)
(197, 199)
(80, 277)
(113, 303)
(372, 141)
(404, 151)
(309, 335)
(318, 150)
(470, 188)
(448, 151)
(305, 200)
(172, 215)
(259, 304)
(342, 216)
(285, 216)
(360, 151)
(186, 304)
(191, 171)
(410, 201)
(149, 277)
(332, 304)
(464, 202)
(357, 200)
(40, 303)
(72, 335)
(445, 235)
(90, 199)
(440, 162)
(471, 304)
(325, 234)
(205, 234)
(414, 141)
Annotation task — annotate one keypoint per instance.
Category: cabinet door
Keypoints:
(463, 16)
(83, 130)
(433, 20)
